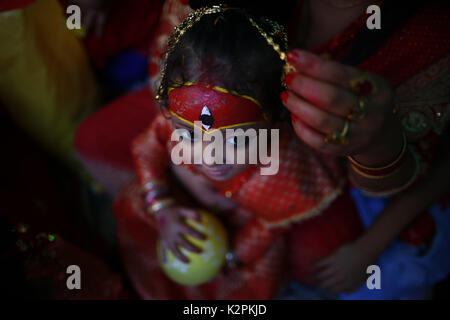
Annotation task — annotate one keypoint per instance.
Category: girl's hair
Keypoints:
(225, 50)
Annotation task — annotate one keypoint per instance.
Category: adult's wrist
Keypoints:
(385, 149)
(388, 167)
(389, 184)
(370, 248)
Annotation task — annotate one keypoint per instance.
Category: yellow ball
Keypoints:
(204, 266)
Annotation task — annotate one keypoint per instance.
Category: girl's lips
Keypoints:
(216, 173)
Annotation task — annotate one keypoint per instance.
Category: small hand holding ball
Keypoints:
(201, 266)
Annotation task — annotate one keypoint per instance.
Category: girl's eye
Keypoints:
(188, 134)
(239, 141)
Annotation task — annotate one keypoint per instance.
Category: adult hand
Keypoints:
(172, 228)
(322, 94)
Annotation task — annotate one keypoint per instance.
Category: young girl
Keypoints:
(232, 63)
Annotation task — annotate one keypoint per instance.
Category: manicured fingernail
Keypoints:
(301, 58)
(294, 118)
(289, 78)
(292, 57)
(284, 96)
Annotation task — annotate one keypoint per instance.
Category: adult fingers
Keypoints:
(314, 66)
(313, 138)
(316, 118)
(329, 97)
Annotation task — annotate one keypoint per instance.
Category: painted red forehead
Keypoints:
(214, 105)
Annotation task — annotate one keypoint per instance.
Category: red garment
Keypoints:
(418, 68)
(173, 13)
(317, 238)
(305, 184)
(107, 134)
(424, 40)
(129, 25)
(310, 181)
(137, 239)
(105, 137)
(7, 5)
(416, 60)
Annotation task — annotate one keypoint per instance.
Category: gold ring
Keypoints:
(359, 112)
(339, 137)
(363, 85)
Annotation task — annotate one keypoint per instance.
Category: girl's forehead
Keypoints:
(216, 108)
(178, 123)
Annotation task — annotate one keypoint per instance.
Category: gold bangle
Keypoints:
(394, 191)
(370, 176)
(393, 163)
(159, 205)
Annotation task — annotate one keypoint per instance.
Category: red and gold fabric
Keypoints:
(305, 184)
(130, 25)
(415, 60)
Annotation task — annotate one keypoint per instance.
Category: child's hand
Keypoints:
(344, 270)
(172, 229)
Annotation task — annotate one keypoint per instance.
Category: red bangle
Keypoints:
(380, 172)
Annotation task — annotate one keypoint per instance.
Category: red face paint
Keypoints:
(216, 108)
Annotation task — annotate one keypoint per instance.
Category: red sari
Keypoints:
(415, 59)
(304, 186)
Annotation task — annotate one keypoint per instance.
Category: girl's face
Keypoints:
(233, 144)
